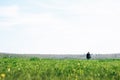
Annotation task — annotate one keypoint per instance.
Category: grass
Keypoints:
(59, 69)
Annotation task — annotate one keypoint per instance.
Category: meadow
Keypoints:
(59, 69)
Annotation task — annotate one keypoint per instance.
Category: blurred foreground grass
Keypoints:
(59, 69)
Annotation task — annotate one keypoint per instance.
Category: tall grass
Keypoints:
(58, 69)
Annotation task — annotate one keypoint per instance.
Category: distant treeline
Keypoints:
(58, 56)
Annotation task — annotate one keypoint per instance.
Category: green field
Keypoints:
(59, 69)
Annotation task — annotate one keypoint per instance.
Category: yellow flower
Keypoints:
(3, 75)
(8, 69)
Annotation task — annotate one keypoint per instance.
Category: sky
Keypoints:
(60, 26)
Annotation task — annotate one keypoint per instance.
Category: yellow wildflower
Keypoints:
(3, 75)
(8, 69)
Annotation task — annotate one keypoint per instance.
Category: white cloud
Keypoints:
(77, 7)
(89, 26)
(52, 4)
(9, 16)
(38, 19)
(9, 11)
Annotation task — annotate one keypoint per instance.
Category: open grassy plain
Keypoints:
(59, 69)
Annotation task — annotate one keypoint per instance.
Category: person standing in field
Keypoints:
(88, 55)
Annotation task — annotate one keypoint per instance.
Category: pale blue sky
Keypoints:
(60, 26)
